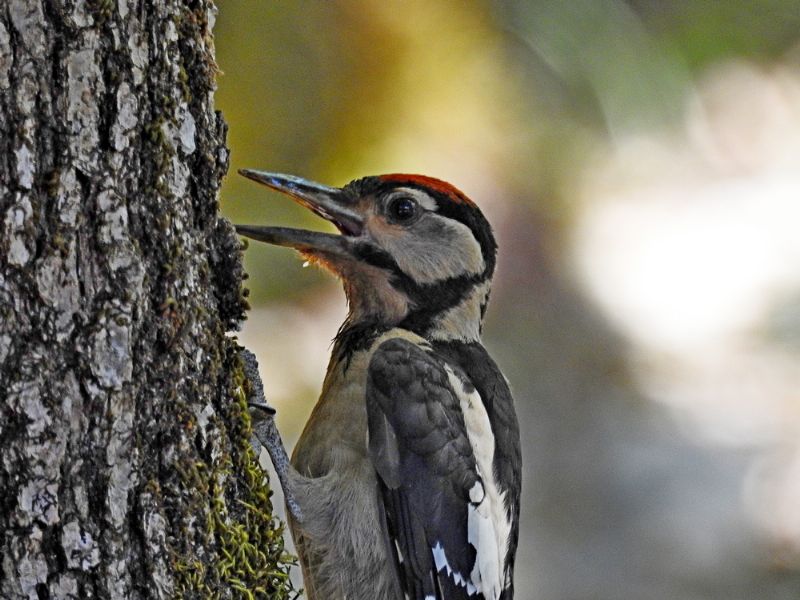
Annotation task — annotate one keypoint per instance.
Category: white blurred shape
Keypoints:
(681, 264)
(689, 242)
(686, 242)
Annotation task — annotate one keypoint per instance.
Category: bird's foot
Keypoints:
(265, 432)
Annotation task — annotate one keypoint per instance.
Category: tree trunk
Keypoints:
(125, 468)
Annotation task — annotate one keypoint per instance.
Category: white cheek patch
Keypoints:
(433, 249)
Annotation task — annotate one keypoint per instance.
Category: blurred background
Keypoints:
(640, 163)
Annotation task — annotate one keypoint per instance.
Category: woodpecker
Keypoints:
(405, 483)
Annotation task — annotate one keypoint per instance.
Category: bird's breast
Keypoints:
(335, 436)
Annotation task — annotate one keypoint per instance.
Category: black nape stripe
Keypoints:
(429, 302)
(431, 299)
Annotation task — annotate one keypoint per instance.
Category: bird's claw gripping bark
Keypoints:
(265, 432)
(250, 368)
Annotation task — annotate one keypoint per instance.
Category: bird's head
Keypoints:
(412, 251)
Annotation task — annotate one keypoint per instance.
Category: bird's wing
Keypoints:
(432, 448)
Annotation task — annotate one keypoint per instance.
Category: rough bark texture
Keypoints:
(125, 470)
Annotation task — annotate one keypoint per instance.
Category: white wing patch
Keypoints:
(488, 526)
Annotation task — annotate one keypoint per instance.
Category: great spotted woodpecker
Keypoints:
(405, 483)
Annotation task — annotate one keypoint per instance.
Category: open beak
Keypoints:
(328, 202)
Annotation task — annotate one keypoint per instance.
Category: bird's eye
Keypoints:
(402, 210)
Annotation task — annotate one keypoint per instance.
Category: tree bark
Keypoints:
(125, 467)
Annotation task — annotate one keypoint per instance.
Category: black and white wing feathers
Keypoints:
(445, 528)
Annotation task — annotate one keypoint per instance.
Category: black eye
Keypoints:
(402, 209)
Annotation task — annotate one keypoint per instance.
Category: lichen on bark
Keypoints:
(125, 469)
